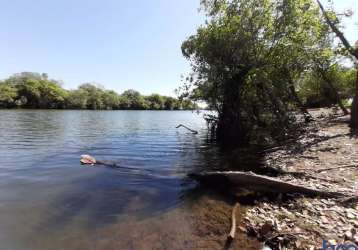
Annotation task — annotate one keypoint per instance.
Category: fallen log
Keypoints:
(259, 183)
(335, 168)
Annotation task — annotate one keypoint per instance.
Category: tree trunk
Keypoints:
(294, 96)
(354, 110)
(339, 34)
(298, 101)
(338, 98)
(230, 128)
(354, 53)
(279, 109)
(334, 90)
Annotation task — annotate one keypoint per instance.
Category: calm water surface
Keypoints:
(49, 201)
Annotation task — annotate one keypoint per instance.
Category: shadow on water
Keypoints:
(102, 199)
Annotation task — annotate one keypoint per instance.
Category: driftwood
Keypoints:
(258, 183)
(191, 130)
(349, 201)
(298, 174)
(232, 233)
(301, 174)
(334, 168)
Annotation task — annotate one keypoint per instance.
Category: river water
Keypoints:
(49, 201)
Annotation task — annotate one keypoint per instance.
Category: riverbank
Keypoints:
(327, 153)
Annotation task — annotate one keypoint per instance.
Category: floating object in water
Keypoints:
(191, 130)
(87, 159)
(90, 160)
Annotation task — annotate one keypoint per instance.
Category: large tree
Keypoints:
(353, 52)
(245, 61)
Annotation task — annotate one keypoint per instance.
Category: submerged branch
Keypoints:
(191, 130)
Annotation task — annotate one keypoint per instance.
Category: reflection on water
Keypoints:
(49, 201)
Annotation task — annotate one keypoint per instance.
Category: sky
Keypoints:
(120, 44)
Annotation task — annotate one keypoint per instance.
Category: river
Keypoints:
(48, 200)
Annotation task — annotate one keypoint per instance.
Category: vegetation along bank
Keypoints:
(33, 90)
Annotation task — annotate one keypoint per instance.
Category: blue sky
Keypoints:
(120, 44)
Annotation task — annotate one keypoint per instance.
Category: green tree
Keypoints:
(34, 90)
(333, 22)
(240, 57)
(8, 95)
(111, 100)
(37, 91)
(155, 102)
(77, 99)
(169, 103)
(188, 105)
(94, 96)
(52, 95)
(132, 99)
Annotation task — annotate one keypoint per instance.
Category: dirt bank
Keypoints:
(328, 155)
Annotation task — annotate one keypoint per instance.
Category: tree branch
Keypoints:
(231, 235)
(191, 130)
(352, 51)
(326, 169)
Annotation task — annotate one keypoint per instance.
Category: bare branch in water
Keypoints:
(191, 130)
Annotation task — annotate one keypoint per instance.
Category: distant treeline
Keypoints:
(34, 90)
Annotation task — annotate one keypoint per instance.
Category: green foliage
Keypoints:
(315, 93)
(52, 95)
(36, 91)
(111, 100)
(171, 103)
(94, 96)
(247, 60)
(33, 90)
(77, 99)
(8, 95)
(132, 99)
(155, 101)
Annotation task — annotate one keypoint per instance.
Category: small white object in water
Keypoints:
(87, 159)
